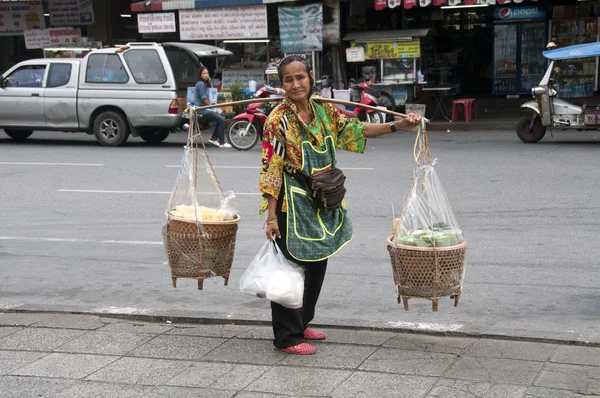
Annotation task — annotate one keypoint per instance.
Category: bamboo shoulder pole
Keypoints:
(318, 99)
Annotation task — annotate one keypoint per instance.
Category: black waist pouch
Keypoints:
(326, 187)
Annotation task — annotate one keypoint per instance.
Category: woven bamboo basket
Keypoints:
(200, 257)
(417, 274)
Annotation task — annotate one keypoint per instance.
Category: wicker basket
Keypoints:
(417, 274)
(194, 256)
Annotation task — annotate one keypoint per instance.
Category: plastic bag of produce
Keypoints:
(427, 248)
(270, 275)
(201, 220)
(427, 219)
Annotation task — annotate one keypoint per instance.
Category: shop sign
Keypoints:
(331, 30)
(241, 77)
(71, 12)
(17, 17)
(517, 13)
(52, 37)
(157, 22)
(244, 22)
(301, 28)
(355, 54)
(384, 50)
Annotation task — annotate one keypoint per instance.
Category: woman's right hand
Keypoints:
(273, 231)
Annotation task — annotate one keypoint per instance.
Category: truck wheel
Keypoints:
(18, 135)
(241, 139)
(155, 136)
(111, 129)
(530, 134)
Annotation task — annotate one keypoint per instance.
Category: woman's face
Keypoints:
(204, 74)
(296, 81)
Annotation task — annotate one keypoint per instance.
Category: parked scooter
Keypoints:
(366, 94)
(246, 128)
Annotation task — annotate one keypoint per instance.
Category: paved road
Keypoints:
(80, 231)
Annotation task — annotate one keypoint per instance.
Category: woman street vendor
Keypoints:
(300, 138)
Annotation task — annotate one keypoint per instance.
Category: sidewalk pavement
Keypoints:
(68, 355)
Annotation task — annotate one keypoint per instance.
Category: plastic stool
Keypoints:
(469, 108)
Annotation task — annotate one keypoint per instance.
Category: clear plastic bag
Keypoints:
(427, 219)
(270, 275)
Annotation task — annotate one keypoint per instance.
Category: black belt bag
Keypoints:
(326, 187)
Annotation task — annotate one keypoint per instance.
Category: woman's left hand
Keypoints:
(411, 120)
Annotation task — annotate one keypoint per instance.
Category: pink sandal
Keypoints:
(310, 334)
(298, 349)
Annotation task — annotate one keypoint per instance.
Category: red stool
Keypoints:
(469, 108)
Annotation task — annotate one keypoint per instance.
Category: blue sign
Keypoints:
(518, 13)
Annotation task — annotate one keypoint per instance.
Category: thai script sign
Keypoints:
(241, 77)
(40, 38)
(247, 22)
(156, 23)
(384, 50)
(301, 28)
(71, 12)
(17, 17)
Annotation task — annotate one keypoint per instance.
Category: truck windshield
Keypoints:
(145, 66)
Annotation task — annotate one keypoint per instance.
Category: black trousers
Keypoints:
(289, 324)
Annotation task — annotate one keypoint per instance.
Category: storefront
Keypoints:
(391, 60)
(576, 24)
(519, 34)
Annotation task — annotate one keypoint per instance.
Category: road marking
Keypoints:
(75, 240)
(52, 164)
(258, 167)
(176, 166)
(148, 192)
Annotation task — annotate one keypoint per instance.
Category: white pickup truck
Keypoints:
(137, 89)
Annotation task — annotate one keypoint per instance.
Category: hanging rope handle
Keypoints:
(195, 135)
(421, 151)
(317, 99)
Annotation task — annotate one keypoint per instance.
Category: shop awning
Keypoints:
(162, 5)
(389, 35)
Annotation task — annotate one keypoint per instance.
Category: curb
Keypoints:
(200, 320)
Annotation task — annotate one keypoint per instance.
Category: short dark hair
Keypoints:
(293, 58)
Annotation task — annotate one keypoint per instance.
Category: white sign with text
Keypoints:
(17, 17)
(41, 38)
(71, 12)
(247, 22)
(241, 77)
(156, 23)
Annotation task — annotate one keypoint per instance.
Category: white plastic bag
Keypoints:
(271, 276)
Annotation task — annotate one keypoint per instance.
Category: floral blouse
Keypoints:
(282, 142)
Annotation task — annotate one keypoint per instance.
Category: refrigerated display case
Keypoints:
(505, 58)
(533, 64)
(519, 39)
(579, 76)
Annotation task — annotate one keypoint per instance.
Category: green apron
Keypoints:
(313, 234)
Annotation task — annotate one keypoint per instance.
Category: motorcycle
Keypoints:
(366, 94)
(246, 128)
(549, 111)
